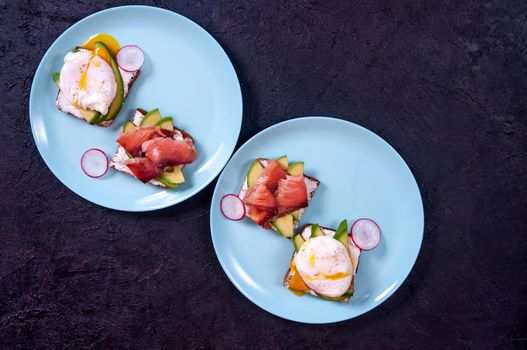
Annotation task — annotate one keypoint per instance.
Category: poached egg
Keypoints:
(325, 266)
(87, 81)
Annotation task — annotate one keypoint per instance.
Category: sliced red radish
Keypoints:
(232, 207)
(366, 234)
(94, 163)
(130, 58)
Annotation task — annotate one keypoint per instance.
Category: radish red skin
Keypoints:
(241, 202)
(378, 230)
(105, 157)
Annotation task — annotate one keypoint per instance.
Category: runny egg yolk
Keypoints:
(333, 277)
(83, 82)
(87, 81)
(84, 77)
(296, 283)
(102, 53)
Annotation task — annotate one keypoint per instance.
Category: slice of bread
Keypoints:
(311, 185)
(120, 155)
(67, 107)
(354, 256)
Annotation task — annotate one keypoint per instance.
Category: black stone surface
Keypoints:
(443, 82)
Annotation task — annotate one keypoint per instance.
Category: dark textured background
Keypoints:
(443, 82)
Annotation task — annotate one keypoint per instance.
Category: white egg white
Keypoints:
(325, 266)
(99, 88)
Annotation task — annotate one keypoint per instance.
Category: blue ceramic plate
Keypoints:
(186, 74)
(361, 176)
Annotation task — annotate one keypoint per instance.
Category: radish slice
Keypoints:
(94, 163)
(366, 234)
(130, 58)
(232, 207)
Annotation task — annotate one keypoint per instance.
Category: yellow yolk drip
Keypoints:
(335, 276)
(84, 78)
(296, 283)
(102, 53)
(312, 260)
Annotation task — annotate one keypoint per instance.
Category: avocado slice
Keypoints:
(284, 225)
(128, 126)
(166, 123)
(342, 230)
(151, 118)
(344, 240)
(283, 161)
(166, 183)
(296, 169)
(118, 100)
(92, 117)
(255, 170)
(56, 78)
(341, 298)
(296, 216)
(316, 231)
(298, 241)
(172, 177)
(341, 234)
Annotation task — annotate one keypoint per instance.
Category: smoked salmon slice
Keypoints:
(133, 139)
(167, 151)
(272, 173)
(260, 217)
(291, 194)
(261, 198)
(142, 168)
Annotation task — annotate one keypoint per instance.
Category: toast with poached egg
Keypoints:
(92, 86)
(324, 263)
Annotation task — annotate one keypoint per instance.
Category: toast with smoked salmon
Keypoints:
(153, 150)
(276, 193)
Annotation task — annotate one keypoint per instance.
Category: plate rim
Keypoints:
(216, 196)
(213, 40)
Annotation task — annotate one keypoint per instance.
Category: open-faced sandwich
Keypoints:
(276, 193)
(324, 263)
(96, 78)
(153, 150)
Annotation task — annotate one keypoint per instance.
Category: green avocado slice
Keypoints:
(128, 126)
(298, 241)
(255, 170)
(152, 117)
(118, 100)
(316, 231)
(166, 123)
(284, 225)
